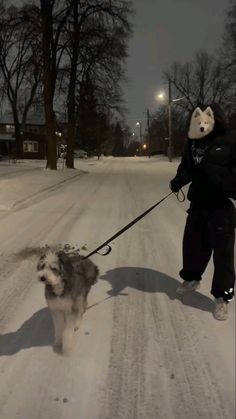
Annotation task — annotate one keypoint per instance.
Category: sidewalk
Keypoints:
(27, 179)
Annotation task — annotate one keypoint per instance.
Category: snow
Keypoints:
(27, 178)
(141, 352)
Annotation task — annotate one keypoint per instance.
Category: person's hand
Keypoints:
(174, 186)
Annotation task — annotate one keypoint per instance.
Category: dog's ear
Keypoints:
(89, 270)
(197, 112)
(209, 112)
(41, 262)
(66, 266)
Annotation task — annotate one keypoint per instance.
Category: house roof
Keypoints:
(33, 118)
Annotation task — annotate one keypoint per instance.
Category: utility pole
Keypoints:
(141, 137)
(140, 133)
(170, 148)
(149, 137)
(139, 123)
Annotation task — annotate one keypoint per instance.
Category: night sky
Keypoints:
(167, 31)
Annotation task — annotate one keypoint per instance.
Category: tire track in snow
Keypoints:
(126, 378)
(194, 390)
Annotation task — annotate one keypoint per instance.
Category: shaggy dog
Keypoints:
(202, 123)
(67, 280)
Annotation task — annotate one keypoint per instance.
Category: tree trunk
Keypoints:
(48, 92)
(18, 147)
(71, 108)
(71, 93)
(70, 144)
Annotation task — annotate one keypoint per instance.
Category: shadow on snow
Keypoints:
(38, 329)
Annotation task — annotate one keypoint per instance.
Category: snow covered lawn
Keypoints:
(27, 178)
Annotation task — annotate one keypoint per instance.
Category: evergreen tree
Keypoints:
(118, 149)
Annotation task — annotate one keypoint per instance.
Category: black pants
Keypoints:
(210, 230)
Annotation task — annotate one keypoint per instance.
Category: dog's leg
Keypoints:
(68, 333)
(78, 320)
(80, 309)
(85, 304)
(58, 320)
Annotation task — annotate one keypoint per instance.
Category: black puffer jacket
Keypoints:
(214, 179)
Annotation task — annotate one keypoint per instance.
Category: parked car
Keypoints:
(81, 154)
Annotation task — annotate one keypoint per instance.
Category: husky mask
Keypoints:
(202, 123)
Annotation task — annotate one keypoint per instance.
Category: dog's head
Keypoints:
(202, 123)
(55, 269)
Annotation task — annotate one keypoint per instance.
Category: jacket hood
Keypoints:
(220, 119)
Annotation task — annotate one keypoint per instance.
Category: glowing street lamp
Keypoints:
(160, 96)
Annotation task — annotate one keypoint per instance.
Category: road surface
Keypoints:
(141, 353)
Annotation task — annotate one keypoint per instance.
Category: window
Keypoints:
(30, 146)
(10, 128)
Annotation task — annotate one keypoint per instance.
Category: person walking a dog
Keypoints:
(209, 165)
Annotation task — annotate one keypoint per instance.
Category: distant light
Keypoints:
(160, 96)
(144, 146)
(10, 128)
(137, 123)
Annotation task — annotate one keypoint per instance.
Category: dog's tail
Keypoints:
(89, 270)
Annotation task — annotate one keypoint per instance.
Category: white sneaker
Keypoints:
(188, 286)
(221, 309)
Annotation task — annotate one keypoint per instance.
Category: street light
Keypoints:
(140, 131)
(145, 148)
(161, 96)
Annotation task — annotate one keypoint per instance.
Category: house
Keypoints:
(6, 144)
(33, 136)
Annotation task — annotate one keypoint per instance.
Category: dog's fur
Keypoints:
(67, 279)
(202, 123)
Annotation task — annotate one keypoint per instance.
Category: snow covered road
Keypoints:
(141, 353)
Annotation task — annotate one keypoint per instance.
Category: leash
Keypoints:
(106, 243)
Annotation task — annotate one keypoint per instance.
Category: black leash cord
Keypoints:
(106, 243)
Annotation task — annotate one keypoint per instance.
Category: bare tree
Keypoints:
(19, 62)
(201, 81)
(54, 15)
(86, 45)
(228, 53)
(98, 93)
(63, 43)
(229, 38)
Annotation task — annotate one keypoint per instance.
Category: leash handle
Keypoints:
(177, 195)
(109, 249)
(124, 229)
